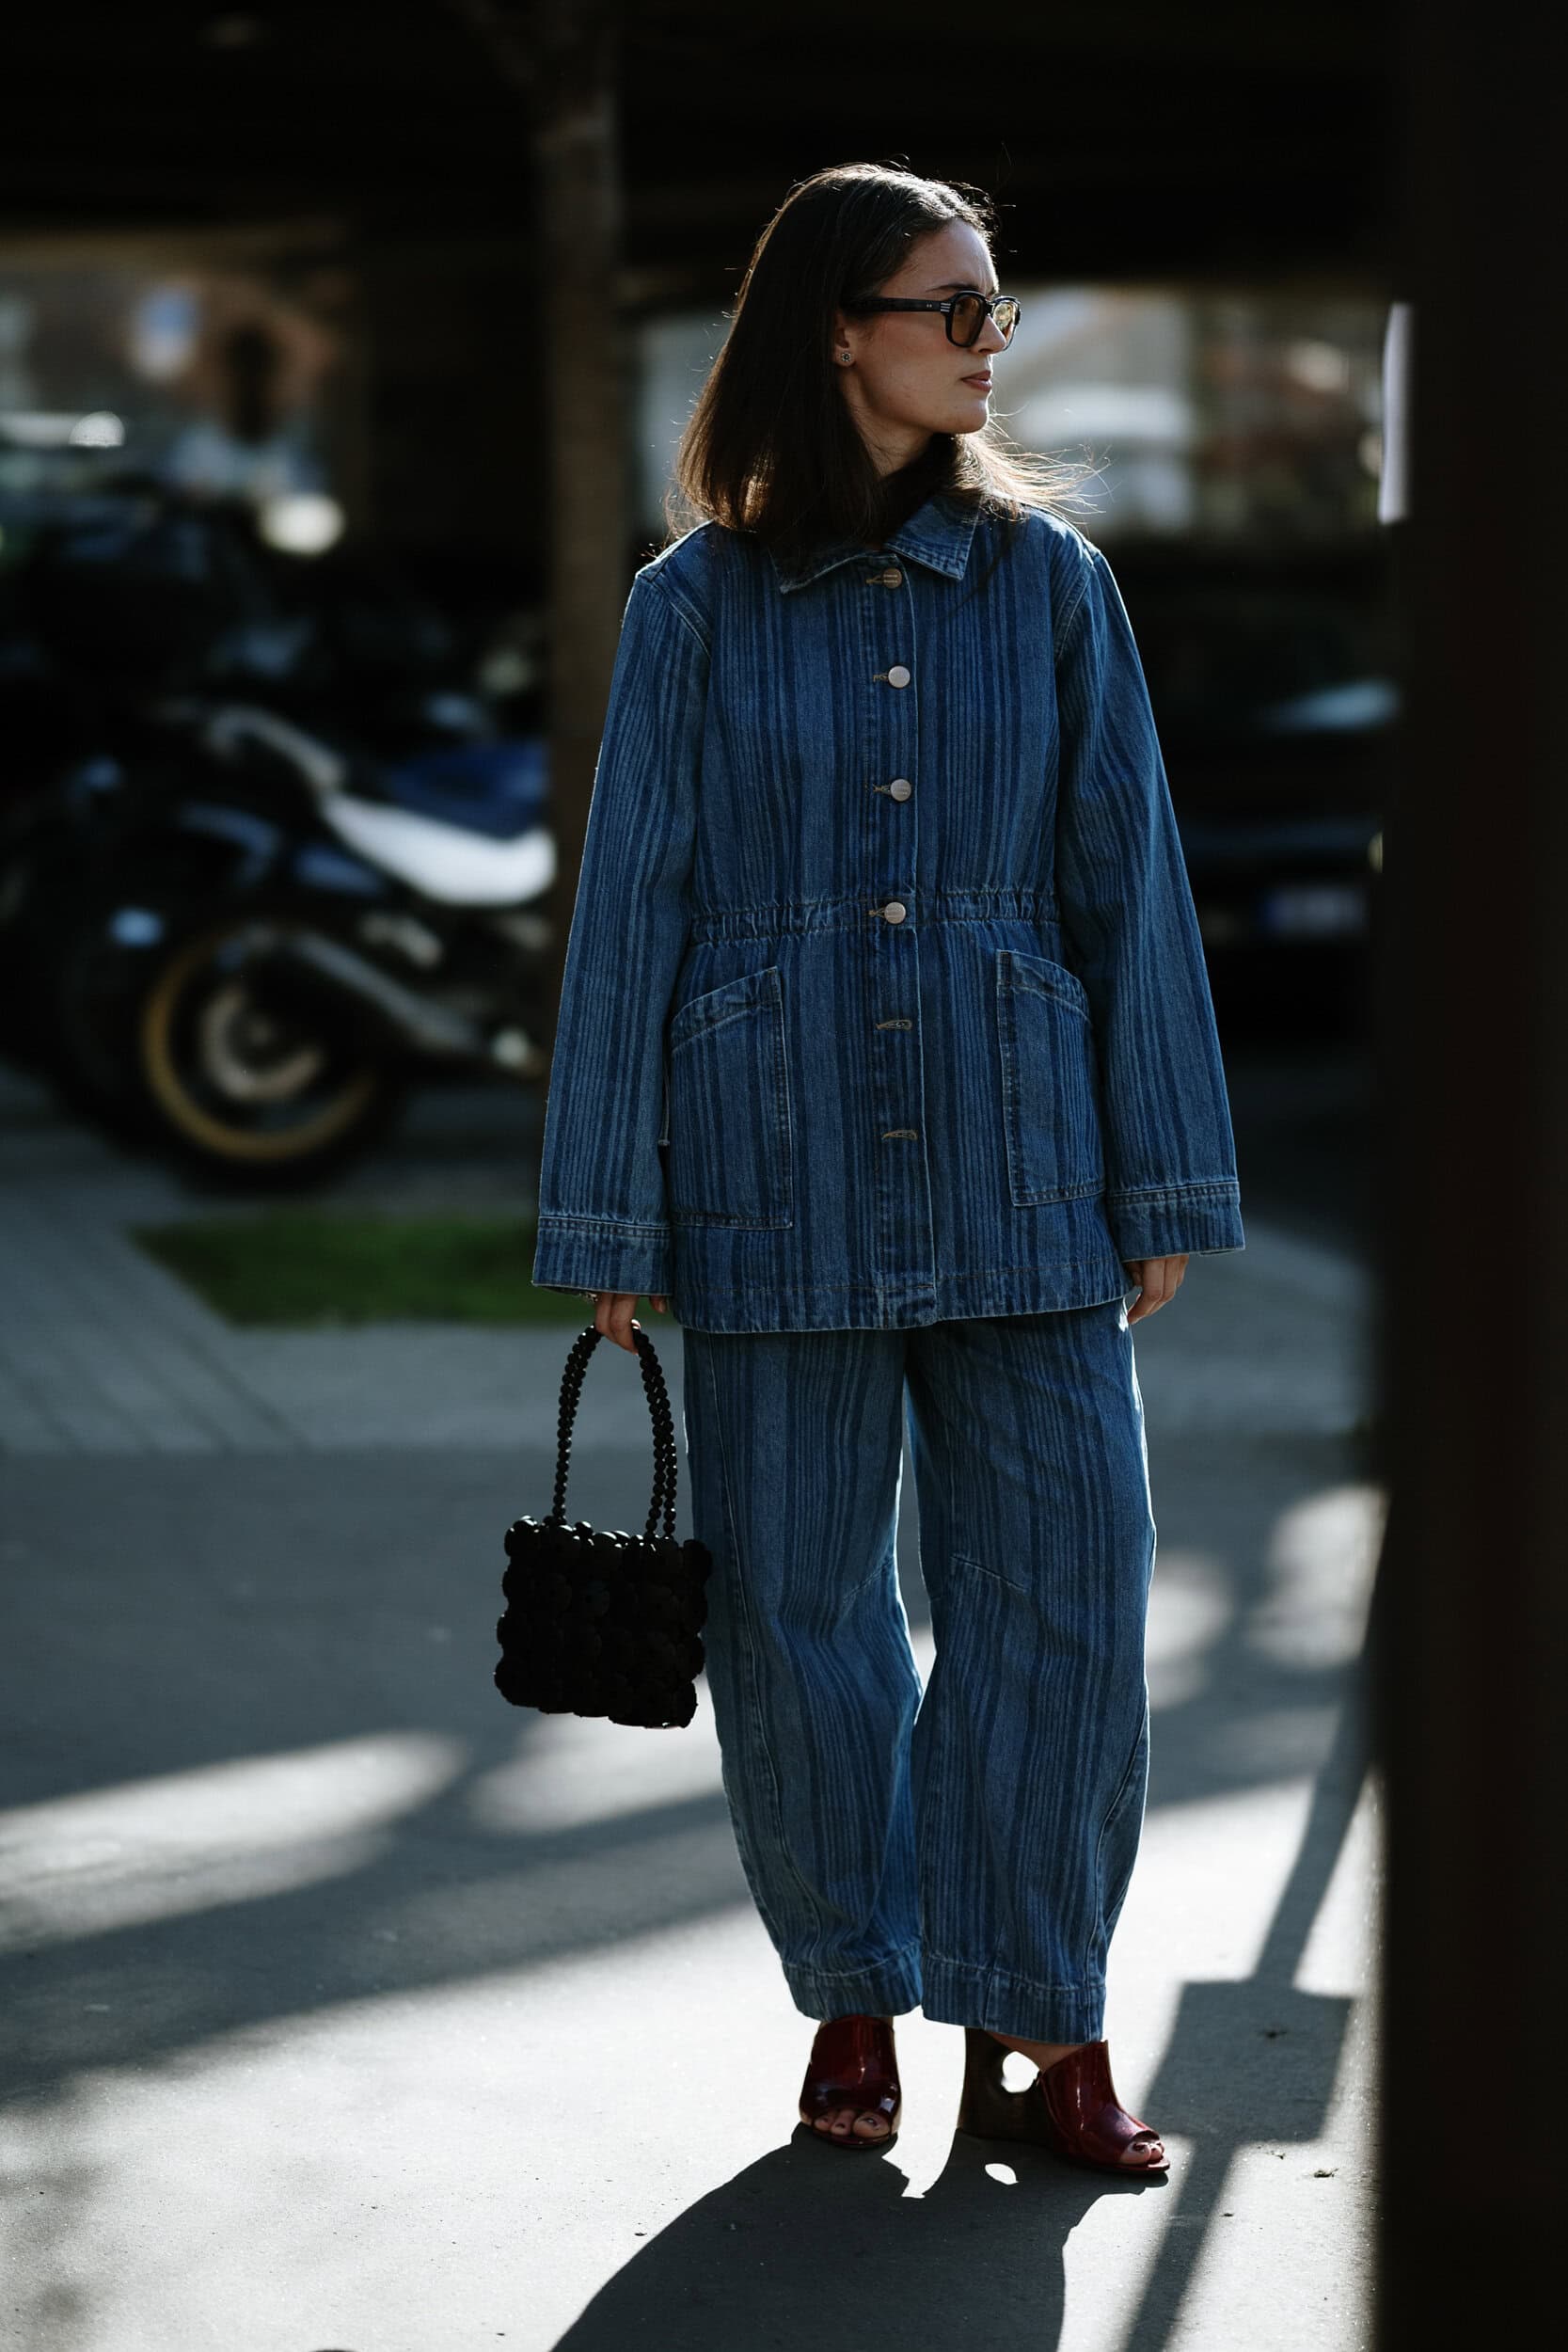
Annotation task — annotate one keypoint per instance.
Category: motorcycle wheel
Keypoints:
(247, 1096)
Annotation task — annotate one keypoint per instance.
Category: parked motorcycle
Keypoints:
(264, 857)
(271, 939)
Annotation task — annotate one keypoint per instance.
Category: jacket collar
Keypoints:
(938, 534)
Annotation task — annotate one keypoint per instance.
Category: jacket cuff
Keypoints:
(1177, 1220)
(602, 1253)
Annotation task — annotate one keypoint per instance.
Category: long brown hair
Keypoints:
(770, 447)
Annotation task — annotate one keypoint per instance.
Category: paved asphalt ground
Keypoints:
(347, 2010)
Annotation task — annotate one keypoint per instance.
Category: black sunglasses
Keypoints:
(965, 313)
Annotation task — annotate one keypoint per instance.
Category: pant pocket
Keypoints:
(1049, 1080)
(729, 1151)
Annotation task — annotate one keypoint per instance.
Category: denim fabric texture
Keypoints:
(966, 1850)
(884, 1000)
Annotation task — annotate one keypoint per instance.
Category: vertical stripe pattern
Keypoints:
(966, 1847)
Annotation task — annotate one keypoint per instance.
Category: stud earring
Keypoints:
(846, 357)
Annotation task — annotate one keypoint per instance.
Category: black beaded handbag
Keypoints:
(600, 1622)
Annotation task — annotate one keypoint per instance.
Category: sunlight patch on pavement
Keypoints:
(228, 1833)
(1342, 1951)
(574, 1769)
(1191, 1602)
(1320, 1561)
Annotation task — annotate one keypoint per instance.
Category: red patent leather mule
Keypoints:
(852, 2065)
(1071, 2108)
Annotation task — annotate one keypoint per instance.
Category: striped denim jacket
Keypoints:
(884, 1000)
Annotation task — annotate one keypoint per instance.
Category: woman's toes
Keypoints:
(841, 2123)
(1147, 2149)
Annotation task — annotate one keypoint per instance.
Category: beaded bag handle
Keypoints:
(659, 1408)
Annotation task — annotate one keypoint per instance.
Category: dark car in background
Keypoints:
(1272, 681)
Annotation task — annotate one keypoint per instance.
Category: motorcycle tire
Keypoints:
(240, 1099)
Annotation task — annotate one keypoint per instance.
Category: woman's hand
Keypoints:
(613, 1313)
(1159, 1277)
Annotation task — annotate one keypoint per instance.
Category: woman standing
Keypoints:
(886, 1051)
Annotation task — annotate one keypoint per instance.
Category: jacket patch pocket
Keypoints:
(729, 1156)
(1049, 1080)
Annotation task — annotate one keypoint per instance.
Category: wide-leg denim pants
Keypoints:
(964, 1848)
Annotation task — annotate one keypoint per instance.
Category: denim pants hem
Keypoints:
(961, 1993)
(884, 1988)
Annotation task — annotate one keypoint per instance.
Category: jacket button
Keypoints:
(894, 911)
(899, 675)
(892, 578)
(900, 788)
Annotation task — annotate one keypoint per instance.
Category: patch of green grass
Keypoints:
(314, 1268)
